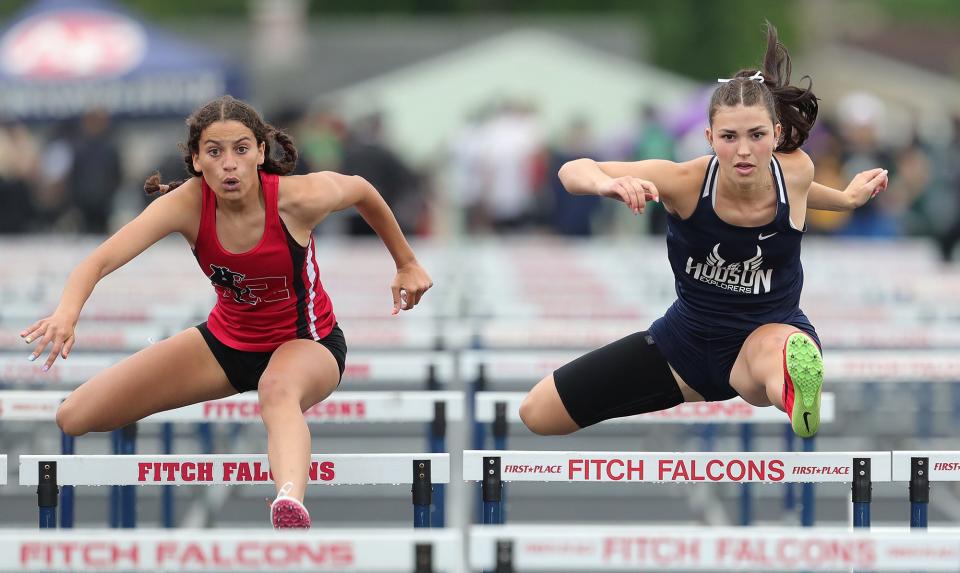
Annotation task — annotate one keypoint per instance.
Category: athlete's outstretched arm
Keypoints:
(634, 182)
(339, 192)
(863, 187)
(162, 217)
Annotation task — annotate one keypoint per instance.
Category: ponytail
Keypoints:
(794, 108)
(286, 160)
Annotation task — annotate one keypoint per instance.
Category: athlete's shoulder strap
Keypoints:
(710, 178)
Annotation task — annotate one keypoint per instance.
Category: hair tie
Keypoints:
(756, 76)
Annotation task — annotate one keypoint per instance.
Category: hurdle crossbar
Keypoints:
(632, 548)
(730, 411)
(419, 550)
(334, 469)
(673, 467)
(840, 367)
(341, 407)
(407, 367)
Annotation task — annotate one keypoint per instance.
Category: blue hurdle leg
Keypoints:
(67, 446)
(746, 499)
(167, 501)
(438, 445)
(790, 490)
(128, 493)
(861, 515)
(807, 499)
(115, 489)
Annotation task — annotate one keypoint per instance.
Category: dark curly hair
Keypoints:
(228, 108)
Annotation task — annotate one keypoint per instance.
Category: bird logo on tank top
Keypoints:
(743, 276)
(242, 289)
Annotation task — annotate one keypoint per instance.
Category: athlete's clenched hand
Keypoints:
(411, 282)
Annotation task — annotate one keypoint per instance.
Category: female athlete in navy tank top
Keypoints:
(735, 222)
(272, 328)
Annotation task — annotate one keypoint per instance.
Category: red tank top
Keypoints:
(269, 294)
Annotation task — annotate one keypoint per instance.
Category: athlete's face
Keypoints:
(743, 137)
(228, 158)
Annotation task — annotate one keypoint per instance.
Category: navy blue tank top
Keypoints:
(734, 277)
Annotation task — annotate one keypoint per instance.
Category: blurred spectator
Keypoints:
(826, 150)
(95, 175)
(513, 160)
(654, 141)
(465, 173)
(320, 135)
(570, 214)
(949, 238)
(19, 165)
(860, 114)
(367, 155)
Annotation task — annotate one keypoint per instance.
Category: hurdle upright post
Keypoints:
(492, 490)
(861, 492)
(128, 493)
(115, 489)
(504, 563)
(500, 426)
(807, 499)
(422, 493)
(790, 489)
(67, 447)
(423, 558)
(167, 508)
(919, 491)
(47, 494)
(746, 499)
(438, 434)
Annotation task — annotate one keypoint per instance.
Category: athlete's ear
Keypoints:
(261, 153)
(709, 136)
(777, 133)
(196, 163)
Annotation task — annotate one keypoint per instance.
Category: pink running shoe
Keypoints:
(287, 512)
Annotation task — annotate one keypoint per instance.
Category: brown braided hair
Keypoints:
(794, 108)
(228, 108)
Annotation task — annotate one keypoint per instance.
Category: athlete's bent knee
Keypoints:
(536, 417)
(273, 391)
(69, 420)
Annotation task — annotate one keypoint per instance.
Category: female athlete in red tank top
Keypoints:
(250, 225)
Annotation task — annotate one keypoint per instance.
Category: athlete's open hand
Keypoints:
(409, 285)
(866, 185)
(632, 191)
(56, 330)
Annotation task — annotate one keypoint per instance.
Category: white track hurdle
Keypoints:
(632, 548)
(494, 468)
(420, 551)
(433, 407)
(48, 472)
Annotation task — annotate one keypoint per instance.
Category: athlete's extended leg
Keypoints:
(629, 376)
(300, 374)
(780, 365)
(174, 372)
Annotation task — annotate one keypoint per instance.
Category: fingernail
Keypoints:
(32, 357)
(45, 367)
(28, 340)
